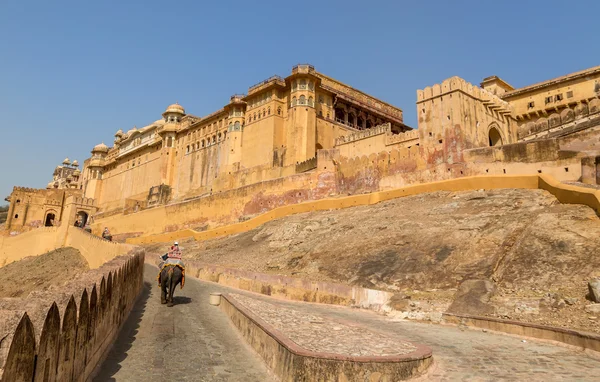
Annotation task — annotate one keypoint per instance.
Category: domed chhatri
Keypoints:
(175, 108)
(66, 162)
(100, 148)
(75, 163)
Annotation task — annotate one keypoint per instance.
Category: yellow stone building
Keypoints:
(308, 136)
(280, 123)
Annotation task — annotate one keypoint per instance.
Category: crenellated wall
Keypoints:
(63, 334)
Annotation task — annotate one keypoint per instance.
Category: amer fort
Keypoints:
(304, 232)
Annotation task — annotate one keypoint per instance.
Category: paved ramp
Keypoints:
(192, 341)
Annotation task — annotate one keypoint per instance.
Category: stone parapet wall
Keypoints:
(583, 340)
(46, 345)
(454, 84)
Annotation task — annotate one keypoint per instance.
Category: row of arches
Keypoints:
(206, 142)
(302, 100)
(352, 120)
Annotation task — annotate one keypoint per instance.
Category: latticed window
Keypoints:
(302, 100)
(294, 101)
(311, 102)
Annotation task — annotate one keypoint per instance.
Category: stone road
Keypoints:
(194, 341)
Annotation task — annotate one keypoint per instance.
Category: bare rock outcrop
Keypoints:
(473, 298)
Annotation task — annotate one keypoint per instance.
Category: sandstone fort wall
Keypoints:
(94, 249)
(62, 335)
(564, 193)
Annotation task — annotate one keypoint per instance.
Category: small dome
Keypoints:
(66, 161)
(175, 108)
(76, 173)
(75, 163)
(119, 133)
(100, 148)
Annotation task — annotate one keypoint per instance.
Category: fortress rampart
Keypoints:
(62, 334)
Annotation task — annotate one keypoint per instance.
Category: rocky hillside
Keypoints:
(529, 246)
(38, 273)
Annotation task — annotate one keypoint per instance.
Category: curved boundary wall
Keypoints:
(46, 345)
(293, 363)
(94, 249)
(563, 192)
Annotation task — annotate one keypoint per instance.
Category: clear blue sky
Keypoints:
(74, 72)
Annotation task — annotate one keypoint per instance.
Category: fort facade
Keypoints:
(308, 136)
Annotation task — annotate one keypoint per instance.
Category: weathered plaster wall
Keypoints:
(564, 193)
(220, 208)
(46, 345)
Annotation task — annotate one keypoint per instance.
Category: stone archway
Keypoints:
(495, 139)
(81, 219)
(50, 219)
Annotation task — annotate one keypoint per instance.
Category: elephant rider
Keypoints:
(173, 256)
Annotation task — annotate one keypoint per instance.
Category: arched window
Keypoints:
(202, 143)
(219, 137)
(255, 116)
(302, 84)
(214, 139)
(193, 147)
(225, 134)
(320, 113)
(198, 145)
(236, 126)
(279, 110)
(302, 100)
(294, 86)
(311, 101)
(495, 138)
(293, 101)
(311, 85)
(264, 113)
(187, 149)
(269, 111)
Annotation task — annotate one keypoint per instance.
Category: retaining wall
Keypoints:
(563, 192)
(572, 337)
(48, 346)
(290, 288)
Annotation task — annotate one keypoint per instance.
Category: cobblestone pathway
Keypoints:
(192, 341)
(469, 355)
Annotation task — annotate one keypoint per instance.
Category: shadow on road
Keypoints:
(124, 341)
(181, 300)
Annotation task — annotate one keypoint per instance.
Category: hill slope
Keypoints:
(526, 242)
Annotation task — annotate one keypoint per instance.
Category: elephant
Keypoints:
(170, 276)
